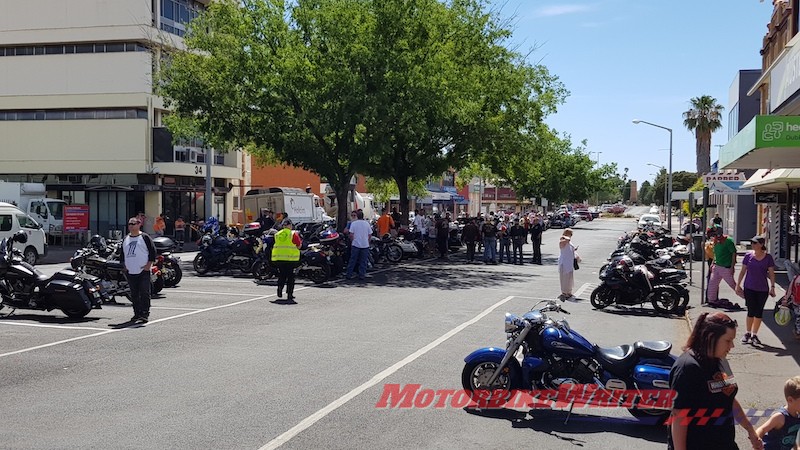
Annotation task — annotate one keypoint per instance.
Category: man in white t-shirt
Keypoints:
(360, 233)
(137, 256)
(419, 223)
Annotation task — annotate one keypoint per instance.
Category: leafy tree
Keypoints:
(449, 91)
(646, 193)
(383, 190)
(703, 118)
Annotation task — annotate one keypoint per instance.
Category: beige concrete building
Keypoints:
(77, 111)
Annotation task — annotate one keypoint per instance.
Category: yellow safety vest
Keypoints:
(284, 249)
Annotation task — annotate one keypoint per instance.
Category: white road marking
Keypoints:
(232, 294)
(582, 290)
(317, 416)
(104, 332)
(42, 325)
(175, 309)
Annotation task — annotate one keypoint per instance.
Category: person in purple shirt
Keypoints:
(757, 267)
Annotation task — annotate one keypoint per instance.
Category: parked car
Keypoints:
(584, 214)
(654, 209)
(649, 220)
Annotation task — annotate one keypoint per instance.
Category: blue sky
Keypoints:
(639, 59)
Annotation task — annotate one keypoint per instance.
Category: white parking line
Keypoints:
(232, 294)
(175, 309)
(42, 325)
(104, 332)
(582, 290)
(314, 418)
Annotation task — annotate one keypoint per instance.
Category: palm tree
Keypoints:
(703, 118)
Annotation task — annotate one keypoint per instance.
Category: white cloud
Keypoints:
(560, 10)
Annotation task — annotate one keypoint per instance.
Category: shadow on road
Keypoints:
(52, 320)
(552, 423)
(637, 311)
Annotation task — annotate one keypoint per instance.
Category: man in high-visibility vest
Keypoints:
(285, 257)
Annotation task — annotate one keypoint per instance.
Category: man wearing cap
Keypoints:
(285, 257)
(723, 267)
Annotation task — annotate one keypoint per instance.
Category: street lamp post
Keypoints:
(669, 188)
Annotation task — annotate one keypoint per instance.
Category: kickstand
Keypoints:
(569, 413)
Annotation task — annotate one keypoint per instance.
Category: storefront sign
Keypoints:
(784, 78)
(723, 177)
(777, 131)
(76, 218)
(771, 197)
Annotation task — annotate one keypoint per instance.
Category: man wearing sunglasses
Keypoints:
(137, 256)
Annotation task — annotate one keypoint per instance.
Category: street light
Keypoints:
(669, 188)
(598, 157)
(665, 188)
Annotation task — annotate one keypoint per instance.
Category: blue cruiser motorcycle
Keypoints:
(555, 358)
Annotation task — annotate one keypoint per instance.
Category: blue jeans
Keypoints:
(490, 249)
(360, 256)
(505, 249)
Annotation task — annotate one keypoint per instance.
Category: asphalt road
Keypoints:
(219, 366)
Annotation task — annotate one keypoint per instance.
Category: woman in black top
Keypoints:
(705, 408)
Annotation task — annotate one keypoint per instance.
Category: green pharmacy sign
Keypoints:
(777, 131)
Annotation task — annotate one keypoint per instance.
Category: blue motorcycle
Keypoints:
(555, 358)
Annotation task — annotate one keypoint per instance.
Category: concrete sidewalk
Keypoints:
(760, 370)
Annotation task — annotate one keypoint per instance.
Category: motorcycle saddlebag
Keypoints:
(314, 258)
(163, 244)
(252, 229)
(67, 294)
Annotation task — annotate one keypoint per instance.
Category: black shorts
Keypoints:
(755, 301)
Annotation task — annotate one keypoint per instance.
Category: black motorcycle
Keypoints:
(110, 271)
(22, 286)
(626, 283)
(314, 263)
(218, 253)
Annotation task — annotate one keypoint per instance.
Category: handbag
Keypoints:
(575, 264)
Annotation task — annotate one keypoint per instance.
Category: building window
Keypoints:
(73, 114)
(66, 49)
(176, 14)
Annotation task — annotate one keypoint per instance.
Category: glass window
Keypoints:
(25, 115)
(69, 48)
(69, 115)
(130, 47)
(53, 49)
(5, 222)
(141, 114)
(85, 114)
(167, 9)
(115, 114)
(54, 115)
(39, 115)
(38, 50)
(84, 48)
(22, 51)
(26, 222)
(2, 51)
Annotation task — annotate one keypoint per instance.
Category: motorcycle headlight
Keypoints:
(513, 323)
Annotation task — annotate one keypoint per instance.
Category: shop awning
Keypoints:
(767, 141)
(776, 180)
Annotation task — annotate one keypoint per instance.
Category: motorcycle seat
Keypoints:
(652, 349)
(617, 358)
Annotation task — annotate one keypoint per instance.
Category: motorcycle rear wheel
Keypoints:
(76, 313)
(602, 296)
(261, 271)
(659, 416)
(200, 264)
(322, 275)
(665, 299)
(394, 253)
(177, 275)
(158, 285)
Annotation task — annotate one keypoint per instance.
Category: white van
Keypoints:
(13, 219)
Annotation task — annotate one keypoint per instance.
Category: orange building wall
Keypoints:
(289, 176)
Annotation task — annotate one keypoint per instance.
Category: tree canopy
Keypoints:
(704, 117)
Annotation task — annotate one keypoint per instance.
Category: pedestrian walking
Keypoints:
(470, 236)
(419, 224)
(286, 257)
(518, 234)
(758, 268)
(566, 264)
(360, 233)
(180, 232)
(489, 232)
(159, 225)
(137, 256)
(705, 387)
(781, 430)
(722, 269)
(536, 240)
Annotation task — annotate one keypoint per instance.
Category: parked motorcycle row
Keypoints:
(646, 267)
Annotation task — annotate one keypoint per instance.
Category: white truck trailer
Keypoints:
(300, 206)
(32, 199)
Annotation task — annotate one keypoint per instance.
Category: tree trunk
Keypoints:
(342, 202)
(703, 148)
(402, 187)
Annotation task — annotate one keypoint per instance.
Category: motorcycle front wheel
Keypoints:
(200, 264)
(158, 285)
(602, 296)
(177, 275)
(665, 299)
(320, 276)
(261, 270)
(475, 376)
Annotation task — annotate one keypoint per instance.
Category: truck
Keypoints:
(356, 200)
(299, 205)
(32, 199)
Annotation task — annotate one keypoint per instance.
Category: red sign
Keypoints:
(76, 218)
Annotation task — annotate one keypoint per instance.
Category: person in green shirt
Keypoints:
(722, 269)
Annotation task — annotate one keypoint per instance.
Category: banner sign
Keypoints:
(770, 197)
(76, 218)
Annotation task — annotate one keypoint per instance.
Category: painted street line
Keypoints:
(179, 291)
(317, 416)
(579, 293)
(43, 325)
(175, 309)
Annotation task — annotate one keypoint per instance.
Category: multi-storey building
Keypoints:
(78, 112)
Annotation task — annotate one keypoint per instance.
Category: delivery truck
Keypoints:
(300, 206)
(32, 199)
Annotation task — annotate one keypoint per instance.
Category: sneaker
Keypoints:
(746, 338)
(134, 319)
(142, 319)
(755, 340)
